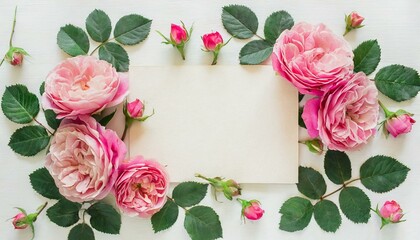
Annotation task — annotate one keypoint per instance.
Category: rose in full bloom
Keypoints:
(312, 58)
(178, 33)
(347, 115)
(84, 159)
(135, 109)
(83, 85)
(141, 187)
(251, 209)
(19, 221)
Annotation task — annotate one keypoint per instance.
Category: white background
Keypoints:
(394, 23)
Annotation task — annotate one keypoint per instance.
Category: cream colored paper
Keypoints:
(231, 121)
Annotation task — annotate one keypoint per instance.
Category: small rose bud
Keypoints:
(23, 220)
(390, 212)
(251, 209)
(178, 37)
(353, 21)
(314, 145)
(213, 42)
(230, 188)
(20, 221)
(399, 124)
(135, 109)
(15, 56)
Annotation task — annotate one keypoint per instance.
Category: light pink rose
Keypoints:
(391, 210)
(212, 40)
(399, 125)
(348, 113)
(141, 187)
(355, 19)
(312, 58)
(178, 34)
(135, 109)
(84, 159)
(83, 85)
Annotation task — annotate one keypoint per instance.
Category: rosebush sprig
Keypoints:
(23, 220)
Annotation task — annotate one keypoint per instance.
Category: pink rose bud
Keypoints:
(23, 220)
(15, 56)
(399, 124)
(20, 221)
(135, 109)
(17, 59)
(230, 188)
(212, 40)
(353, 21)
(178, 34)
(314, 145)
(251, 209)
(390, 212)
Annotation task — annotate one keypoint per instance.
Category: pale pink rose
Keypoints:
(19, 221)
(212, 40)
(312, 58)
(399, 125)
(391, 210)
(135, 109)
(83, 159)
(141, 187)
(83, 85)
(178, 34)
(355, 19)
(348, 113)
(310, 110)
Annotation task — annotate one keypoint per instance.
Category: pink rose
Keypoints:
(312, 58)
(391, 210)
(347, 115)
(310, 110)
(251, 209)
(212, 40)
(135, 109)
(355, 19)
(141, 187)
(17, 59)
(19, 221)
(178, 34)
(399, 124)
(84, 158)
(83, 85)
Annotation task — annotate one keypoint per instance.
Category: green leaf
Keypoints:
(398, 82)
(296, 214)
(29, 140)
(81, 231)
(64, 213)
(132, 29)
(73, 40)
(355, 204)
(44, 184)
(382, 174)
(106, 119)
(202, 223)
(51, 118)
(255, 52)
(337, 166)
(98, 25)
(301, 122)
(42, 88)
(240, 21)
(327, 216)
(104, 218)
(166, 217)
(116, 55)
(188, 194)
(311, 183)
(301, 96)
(275, 24)
(367, 57)
(19, 105)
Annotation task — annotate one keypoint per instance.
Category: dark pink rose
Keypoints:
(84, 158)
(141, 187)
(251, 209)
(135, 109)
(212, 40)
(310, 113)
(312, 58)
(399, 124)
(178, 34)
(391, 210)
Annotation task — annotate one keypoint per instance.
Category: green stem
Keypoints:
(13, 28)
(42, 208)
(386, 111)
(126, 126)
(258, 36)
(344, 185)
(203, 177)
(171, 199)
(42, 125)
(100, 45)
(1, 61)
(215, 56)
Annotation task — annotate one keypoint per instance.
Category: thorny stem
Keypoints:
(171, 199)
(42, 125)
(13, 28)
(344, 185)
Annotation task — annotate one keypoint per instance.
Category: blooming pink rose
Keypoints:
(355, 19)
(178, 34)
(84, 158)
(135, 109)
(212, 40)
(391, 210)
(312, 58)
(141, 187)
(310, 110)
(348, 113)
(19, 221)
(83, 85)
(399, 125)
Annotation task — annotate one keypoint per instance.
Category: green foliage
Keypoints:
(132, 29)
(398, 82)
(188, 194)
(240, 21)
(19, 105)
(51, 118)
(355, 204)
(29, 140)
(106, 119)
(98, 25)
(73, 40)
(255, 52)
(202, 223)
(44, 184)
(81, 231)
(327, 216)
(311, 183)
(367, 57)
(64, 213)
(337, 166)
(300, 119)
(166, 217)
(104, 218)
(275, 24)
(296, 214)
(116, 55)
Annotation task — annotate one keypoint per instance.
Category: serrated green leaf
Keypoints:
(106, 119)
(296, 214)
(116, 55)
(300, 119)
(98, 25)
(188, 194)
(51, 118)
(166, 217)
(104, 218)
(42, 88)
(355, 204)
(19, 105)
(44, 184)
(337, 166)
(240, 21)
(255, 52)
(327, 216)
(81, 231)
(29, 140)
(367, 57)
(73, 40)
(275, 24)
(64, 213)
(202, 223)
(311, 183)
(398, 82)
(301, 96)
(132, 29)
(382, 174)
